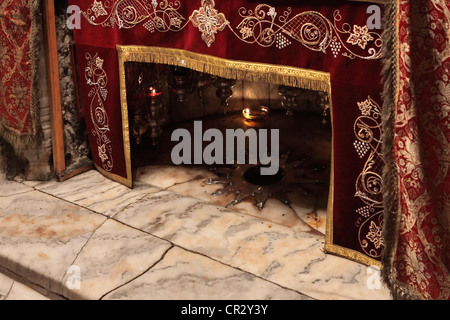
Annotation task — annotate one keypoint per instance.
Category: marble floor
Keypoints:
(167, 238)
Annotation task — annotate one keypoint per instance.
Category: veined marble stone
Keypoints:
(13, 290)
(165, 176)
(114, 255)
(11, 188)
(156, 239)
(95, 192)
(183, 275)
(277, 253)
(40, 236)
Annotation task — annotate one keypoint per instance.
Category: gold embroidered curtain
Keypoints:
(19, 48)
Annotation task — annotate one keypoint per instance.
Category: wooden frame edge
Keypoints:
(59, 163)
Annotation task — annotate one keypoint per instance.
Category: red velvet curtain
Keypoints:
(324, 36)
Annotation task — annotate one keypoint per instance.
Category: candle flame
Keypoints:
(257, 113)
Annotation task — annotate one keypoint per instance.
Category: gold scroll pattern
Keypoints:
(263, 26)
(309, 28)
(367, 129)
(161, 16)
(97, 78)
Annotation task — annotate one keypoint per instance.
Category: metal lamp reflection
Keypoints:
(155, 111)
(152, 91)
(255, 116)
(256, 113)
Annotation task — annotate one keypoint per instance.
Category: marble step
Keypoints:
(92, 238)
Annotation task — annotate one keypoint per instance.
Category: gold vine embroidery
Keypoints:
(263, 26)
(367, 129)
(161, 16)
(309, 28)
(97, 78)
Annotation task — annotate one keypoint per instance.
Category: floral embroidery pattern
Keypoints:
(367, 129)
(162, 16)
(421, 144)
(263, 25)
(309, 28)
(97, 78)
(208, 21)
(246, 32)
(365, 107)
(102, 153)
(98, 9)
(375, 234)
(360, 36)
(18, 103)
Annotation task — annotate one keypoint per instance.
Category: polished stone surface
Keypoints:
(14, 290)
(182, 272)
(167, 238)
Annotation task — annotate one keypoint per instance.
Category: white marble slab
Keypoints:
(274, 210)
(10, 188)
(113, 256)
(199, 190)
(311, 210)
(95, 192)
(290, 258)
(165, 176)
(40, 236)
(183, 275)
(21, 292)
(6, 284)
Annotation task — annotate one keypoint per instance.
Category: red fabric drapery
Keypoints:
(417, 145)
(18, 48)
(328, 37)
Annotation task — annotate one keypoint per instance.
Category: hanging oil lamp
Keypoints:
(155, 111)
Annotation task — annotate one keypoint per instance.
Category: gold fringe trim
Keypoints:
(128, 181)
(114, 177)
(268, 73)
(329, 220)
(225, 68)
(231, 69)
(351, 255)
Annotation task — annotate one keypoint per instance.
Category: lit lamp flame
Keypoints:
(255, 113)
(153, 91)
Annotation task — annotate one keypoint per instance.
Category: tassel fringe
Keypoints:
(284, 75)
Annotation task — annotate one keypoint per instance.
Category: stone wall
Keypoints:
(75, 137)
(39, 158)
